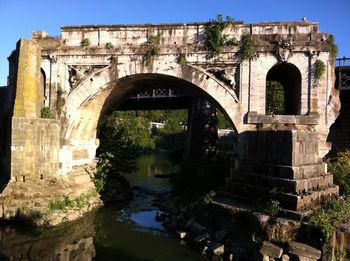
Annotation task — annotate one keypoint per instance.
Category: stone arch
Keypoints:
(288, 76)
(93, 95)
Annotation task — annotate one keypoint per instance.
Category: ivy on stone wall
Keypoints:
(61, 101)
(152, 49)
(319, 69)
(214, 37)
(333, 48)
(248, 47)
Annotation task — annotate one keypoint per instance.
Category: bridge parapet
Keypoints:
(174, 34)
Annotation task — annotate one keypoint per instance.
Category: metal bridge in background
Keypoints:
(342, 71)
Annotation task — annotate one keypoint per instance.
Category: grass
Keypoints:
(67, 203)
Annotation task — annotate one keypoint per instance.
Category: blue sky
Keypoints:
(18, 18)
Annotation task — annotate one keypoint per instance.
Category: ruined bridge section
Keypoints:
(89, 70)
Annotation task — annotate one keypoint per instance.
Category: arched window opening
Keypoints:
(283, 90)
(43, 84)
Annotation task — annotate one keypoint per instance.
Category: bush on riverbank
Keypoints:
(340, 168)
(330, 217)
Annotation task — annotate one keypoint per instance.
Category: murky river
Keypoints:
(116, 232)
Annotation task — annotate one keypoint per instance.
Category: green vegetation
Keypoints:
(274, 98)
(152, 45)
(340, 168)
(222, 122)
(329, 218)
(58, 204)
(67, 203)
(126, 134)
(208, 198)
(248, 47)
(46, 113)
(214, 38)
(85, 42)
(333, 48)
(102, 169)
(272, 208)
(319, 69)
(61, 101)
(109, 46)
(182, 59)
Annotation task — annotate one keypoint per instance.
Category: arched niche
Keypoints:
(283, 90)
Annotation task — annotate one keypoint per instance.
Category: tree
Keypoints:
(274, 98)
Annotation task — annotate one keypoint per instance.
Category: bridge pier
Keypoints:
(201, 130)
(283, 165)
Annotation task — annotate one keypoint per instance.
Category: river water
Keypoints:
(116, 232)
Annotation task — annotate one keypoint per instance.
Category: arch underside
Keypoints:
(88, 104)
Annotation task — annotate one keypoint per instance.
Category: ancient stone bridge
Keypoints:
(90, 70)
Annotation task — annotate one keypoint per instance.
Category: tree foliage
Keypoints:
(222, 122)
(126, 134)
(340, 168)
(274, 98)
(330, 217)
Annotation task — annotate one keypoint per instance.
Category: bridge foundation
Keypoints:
(202, 130)
(283, 165)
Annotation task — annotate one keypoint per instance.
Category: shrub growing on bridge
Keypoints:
(46, 113)
(319, 69)
(85, 42)
(214, 38)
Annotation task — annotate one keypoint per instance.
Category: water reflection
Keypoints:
(115, 232)
(70, 242)
(149, 165)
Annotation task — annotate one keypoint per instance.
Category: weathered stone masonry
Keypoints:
(82, 84)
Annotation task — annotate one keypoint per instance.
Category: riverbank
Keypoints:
(225, 228)
(49, 202)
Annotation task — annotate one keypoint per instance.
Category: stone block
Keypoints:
(295, 172)
(285, 258)
(304, 251)
(271, 250)
(290, 148)
(216, 248)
